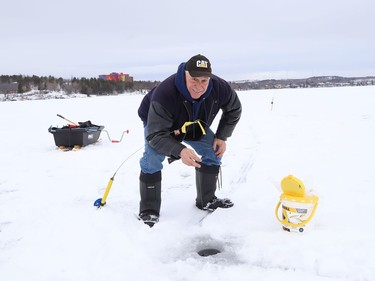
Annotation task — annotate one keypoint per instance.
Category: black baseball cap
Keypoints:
(199, 66)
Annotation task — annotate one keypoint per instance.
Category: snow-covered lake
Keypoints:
(49, 229)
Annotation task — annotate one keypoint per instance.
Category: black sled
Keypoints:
(72, 135)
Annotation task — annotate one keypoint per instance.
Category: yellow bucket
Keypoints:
(297, 207)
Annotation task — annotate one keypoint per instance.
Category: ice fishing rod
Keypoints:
(102, 201)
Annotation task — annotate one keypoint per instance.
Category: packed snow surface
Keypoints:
(49, 229)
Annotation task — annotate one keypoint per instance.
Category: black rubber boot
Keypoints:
(206, 179)
(150, 190)
(206, 182)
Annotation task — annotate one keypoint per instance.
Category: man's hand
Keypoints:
(219, 147)
(188, 157)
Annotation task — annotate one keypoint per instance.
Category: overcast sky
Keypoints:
(148, 39)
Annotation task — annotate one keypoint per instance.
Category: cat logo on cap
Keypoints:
(202, 63)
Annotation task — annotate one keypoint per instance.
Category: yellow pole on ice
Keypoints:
(109, 185)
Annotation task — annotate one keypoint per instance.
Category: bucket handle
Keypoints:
(294, 224)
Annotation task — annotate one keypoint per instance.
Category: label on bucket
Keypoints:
(296, 213)
(295, 210)
(301, 211)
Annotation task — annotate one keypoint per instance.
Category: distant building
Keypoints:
(9, 88)
(114, 76)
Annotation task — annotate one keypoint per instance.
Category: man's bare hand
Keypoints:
(219, 147)
(190, 158)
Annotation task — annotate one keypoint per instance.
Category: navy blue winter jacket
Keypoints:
(168, 106)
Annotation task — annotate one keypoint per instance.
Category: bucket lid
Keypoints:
(293, 186)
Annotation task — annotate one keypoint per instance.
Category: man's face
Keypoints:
(196, 86)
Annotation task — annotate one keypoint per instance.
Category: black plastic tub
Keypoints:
(70, 136)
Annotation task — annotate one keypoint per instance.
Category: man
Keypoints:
(181, 109)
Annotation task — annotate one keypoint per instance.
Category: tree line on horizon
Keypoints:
(86, 86)
(97, 86)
